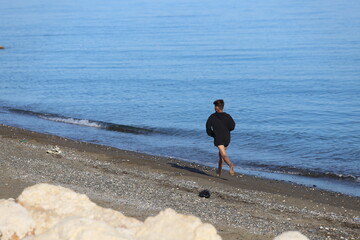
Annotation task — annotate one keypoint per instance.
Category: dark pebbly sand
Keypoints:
(140, 185)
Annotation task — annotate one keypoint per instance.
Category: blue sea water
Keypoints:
(142, 75)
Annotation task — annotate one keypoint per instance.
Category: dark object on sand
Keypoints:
(204, 193)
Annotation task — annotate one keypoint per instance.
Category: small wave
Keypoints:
(305, 172)
(178, 132)
(84, 122)
(107, 125)
(81, 122)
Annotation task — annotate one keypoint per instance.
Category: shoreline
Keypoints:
(139, 185)
(328, 181)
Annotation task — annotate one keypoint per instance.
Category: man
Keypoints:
(218, 126)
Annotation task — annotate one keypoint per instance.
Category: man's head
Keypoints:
(219, 105)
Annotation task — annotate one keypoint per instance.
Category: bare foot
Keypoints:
(232, 173)
(218, 173)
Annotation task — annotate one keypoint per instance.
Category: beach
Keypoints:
(140, 185)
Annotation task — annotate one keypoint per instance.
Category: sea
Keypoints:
(142, 75)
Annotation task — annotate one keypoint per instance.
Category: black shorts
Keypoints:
(221, 143)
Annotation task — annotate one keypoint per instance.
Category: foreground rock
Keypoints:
(49, 204)
(15, 221)
(45, 212)
(171, 225)
(291, 235)
(81, 228)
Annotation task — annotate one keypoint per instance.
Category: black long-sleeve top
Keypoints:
(219, 126)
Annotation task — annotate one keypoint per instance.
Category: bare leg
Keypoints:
(221, 161)
(224, 158)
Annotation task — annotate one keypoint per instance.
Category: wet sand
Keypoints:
(140, 185)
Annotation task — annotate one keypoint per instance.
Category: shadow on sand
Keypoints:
(190, 169)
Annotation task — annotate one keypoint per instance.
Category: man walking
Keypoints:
(218, 126)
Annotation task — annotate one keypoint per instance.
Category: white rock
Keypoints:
(291, 235)
(169, 225)
(49, 204)
(54, 151)
(79, 228)
(15, 221)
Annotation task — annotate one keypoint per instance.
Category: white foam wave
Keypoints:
(81, 122)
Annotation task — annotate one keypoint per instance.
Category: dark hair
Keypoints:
(219, 103)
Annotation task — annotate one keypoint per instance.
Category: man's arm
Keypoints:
(231, 123)
(209, 130)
